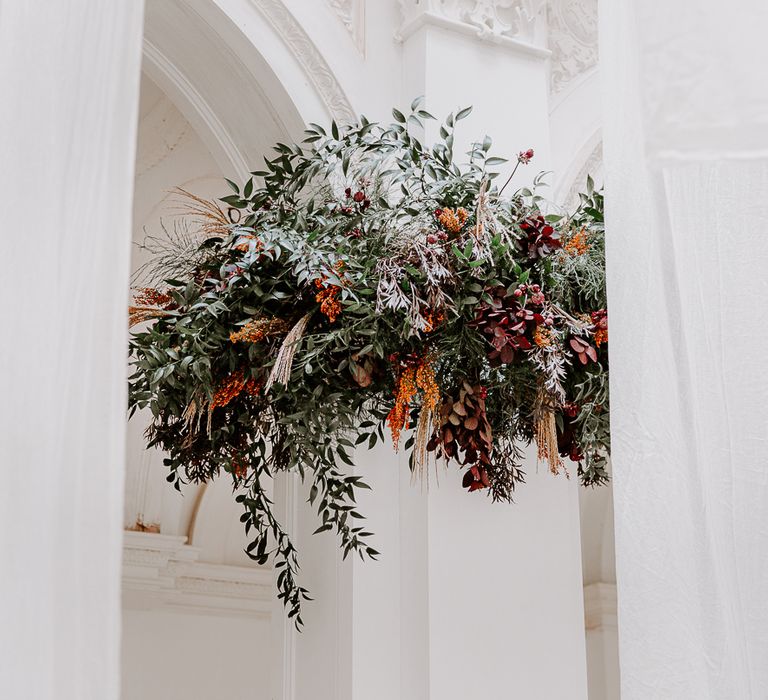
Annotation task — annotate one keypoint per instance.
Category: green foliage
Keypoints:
(388, 260)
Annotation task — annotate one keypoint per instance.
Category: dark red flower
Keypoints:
(600, 319)
(539, 238)
(507, 325)
(525, 157)
(359, 197)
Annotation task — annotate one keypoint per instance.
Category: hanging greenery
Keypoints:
(363, 282)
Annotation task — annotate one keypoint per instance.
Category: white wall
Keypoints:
(182, 656)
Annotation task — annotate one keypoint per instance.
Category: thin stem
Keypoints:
(509, 179)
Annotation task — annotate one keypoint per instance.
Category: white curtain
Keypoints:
(686, 154)
(69, 81)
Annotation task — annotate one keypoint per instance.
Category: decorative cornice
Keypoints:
(160, 571)
(572, 26)
(600, 605)
(518, 24)
(352, 15)
(302, 47)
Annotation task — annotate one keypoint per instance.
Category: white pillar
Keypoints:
(469, 599)
(686, 211)
(602, 641)
(69, 76)
(503, 582)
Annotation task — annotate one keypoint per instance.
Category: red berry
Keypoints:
(359, 197)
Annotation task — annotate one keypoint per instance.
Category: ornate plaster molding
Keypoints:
(302, 47)
(519, 23)
(572, 28)
(160, 571)
(158, 62)
(352, 15)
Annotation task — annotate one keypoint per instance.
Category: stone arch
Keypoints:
(243, 75)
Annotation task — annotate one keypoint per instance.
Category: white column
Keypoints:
(686, 155)
(503, 581)
(69, 77)
(469, 599)
(602, 641)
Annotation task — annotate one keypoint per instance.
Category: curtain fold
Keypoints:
(686, 157)
(69, 80)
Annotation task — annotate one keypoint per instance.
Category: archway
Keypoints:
(211, 105)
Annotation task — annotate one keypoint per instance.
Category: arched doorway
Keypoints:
(212, 104)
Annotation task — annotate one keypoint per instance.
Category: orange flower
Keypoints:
(409, 380)
(228, 389)
(255, 331)
(239, 466)
(425, 380)
(405, 390)
(148, 296)
(327, 297)
(433, 319)
(542, 337)
(451, 221)
(577, 245)
(253, 387)
(601, 336)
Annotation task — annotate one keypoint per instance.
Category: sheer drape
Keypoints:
(686, 140)
(69, 79)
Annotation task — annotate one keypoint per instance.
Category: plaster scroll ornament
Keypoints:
(512, 19)
(352, 15)
(572, 26)
(305, 51)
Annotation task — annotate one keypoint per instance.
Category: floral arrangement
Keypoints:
(362, 283)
